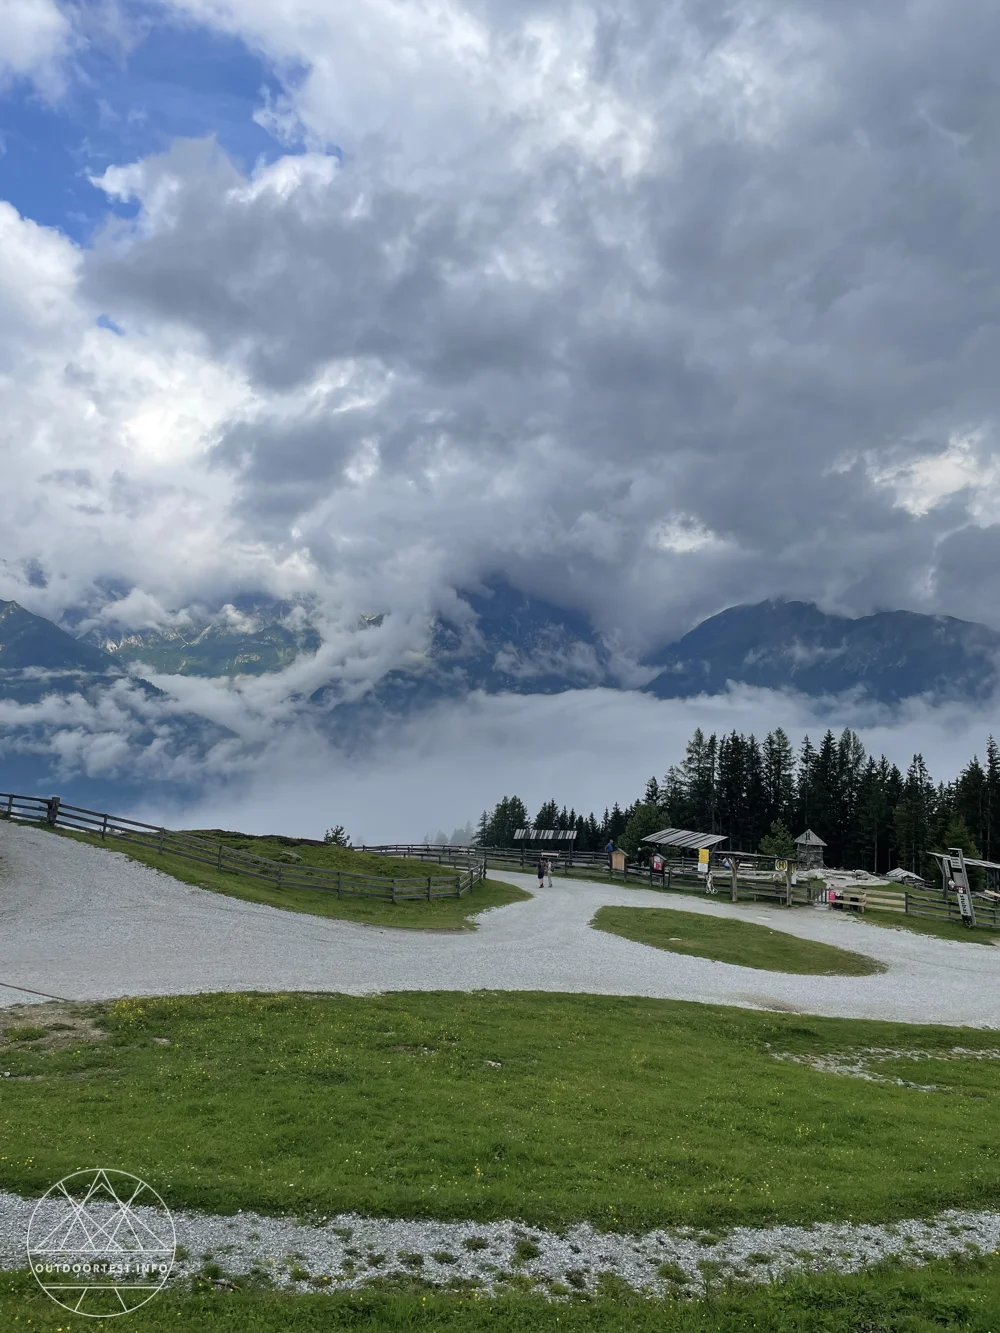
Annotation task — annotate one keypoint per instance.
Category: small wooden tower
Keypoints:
(809, 850)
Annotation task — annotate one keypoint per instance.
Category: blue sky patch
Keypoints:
(178, 82)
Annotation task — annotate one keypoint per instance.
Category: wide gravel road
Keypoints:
(81, 923)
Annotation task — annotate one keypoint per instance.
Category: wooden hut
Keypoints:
(809, 850)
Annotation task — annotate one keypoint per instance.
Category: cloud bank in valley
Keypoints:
(587, 748)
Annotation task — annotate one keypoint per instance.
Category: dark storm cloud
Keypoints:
(968, 572)
(745, 313)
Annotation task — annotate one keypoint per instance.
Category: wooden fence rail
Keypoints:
(937, 907)
(221, 856)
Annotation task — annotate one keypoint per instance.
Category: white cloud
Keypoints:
(35, 37)
(967, 463)
(594, 298)
(683, 534)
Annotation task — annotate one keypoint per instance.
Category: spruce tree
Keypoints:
(971, 800)
(805, 796)
(778, 765)
(779, 842)
(991, 848)
(875, 813)
(644, 820)
(827, 798)
(699, 773)
(756, 793)
(548, 816)
(915, 817)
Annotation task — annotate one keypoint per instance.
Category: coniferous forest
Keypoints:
(761, 794)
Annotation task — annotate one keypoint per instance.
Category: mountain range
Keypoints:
(888, 657)
(95, 726)
(503, 640)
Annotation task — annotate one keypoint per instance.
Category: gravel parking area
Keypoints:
(81, 923)
(348, 1251)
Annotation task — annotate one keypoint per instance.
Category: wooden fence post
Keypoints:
(733, 872)
(339, 885)
(161, 842)
(788, 883)
(220, 855)
(393, 890)
(104, 828)
(428, 888)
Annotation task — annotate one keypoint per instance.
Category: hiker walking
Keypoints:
(548, 872)
(541, 871)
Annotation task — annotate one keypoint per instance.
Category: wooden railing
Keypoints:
(937, 907)
(221, 856)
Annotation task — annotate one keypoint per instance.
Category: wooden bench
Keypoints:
(855, 899)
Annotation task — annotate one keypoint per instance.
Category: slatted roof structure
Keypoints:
(902, 876)
(544, 834)
(971, 861)
(683, 837)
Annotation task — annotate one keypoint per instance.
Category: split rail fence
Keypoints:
(465, 871)
(680, 874)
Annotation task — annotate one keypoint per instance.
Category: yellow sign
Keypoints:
(703, 856)
(781, 866)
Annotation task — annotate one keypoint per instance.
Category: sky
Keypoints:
(651, 308)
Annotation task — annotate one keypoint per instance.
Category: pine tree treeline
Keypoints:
(870, 815)
(496, 828)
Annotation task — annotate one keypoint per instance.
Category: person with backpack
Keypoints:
(541, 870)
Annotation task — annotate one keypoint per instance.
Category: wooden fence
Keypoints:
(938, 907)
(220, 855)
(756, 886)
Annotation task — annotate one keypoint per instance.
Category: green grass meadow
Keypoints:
(549, 1109)
(420, 914)
(728, 940)
(629, 1113)
(891, 1299)
(925, 925)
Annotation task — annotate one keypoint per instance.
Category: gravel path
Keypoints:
(348, 1251)
(81, 923)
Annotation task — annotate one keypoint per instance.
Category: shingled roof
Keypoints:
(809, 839)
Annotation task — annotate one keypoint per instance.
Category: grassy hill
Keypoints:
(421, 914)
